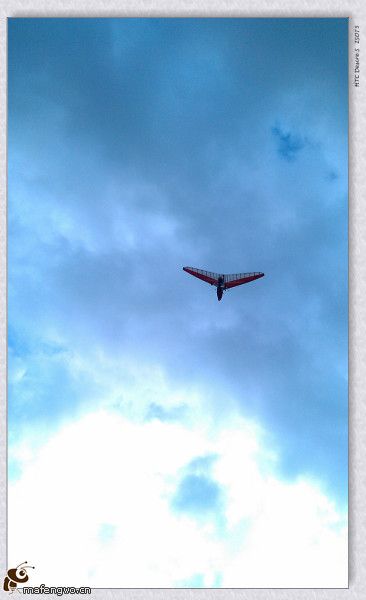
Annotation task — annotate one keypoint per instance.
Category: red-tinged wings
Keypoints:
(229, 281)
(240, 278)
(207, 276)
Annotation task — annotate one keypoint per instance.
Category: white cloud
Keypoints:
(103, 469)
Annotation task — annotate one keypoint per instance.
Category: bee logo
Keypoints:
(15, 576)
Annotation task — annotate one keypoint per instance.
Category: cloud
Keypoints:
(289, 144)
(103, 503)
(156, 411)
(137, 147)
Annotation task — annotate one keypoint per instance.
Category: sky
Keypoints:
(177, 440)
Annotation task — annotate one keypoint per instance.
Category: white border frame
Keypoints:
(356, 12)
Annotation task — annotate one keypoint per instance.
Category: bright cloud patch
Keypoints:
(111, 503)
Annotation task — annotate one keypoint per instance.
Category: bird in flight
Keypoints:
(223, 282)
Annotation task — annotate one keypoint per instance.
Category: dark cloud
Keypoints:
(289, 144)
(137, 147)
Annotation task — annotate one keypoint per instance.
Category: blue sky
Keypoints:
(137, 147)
